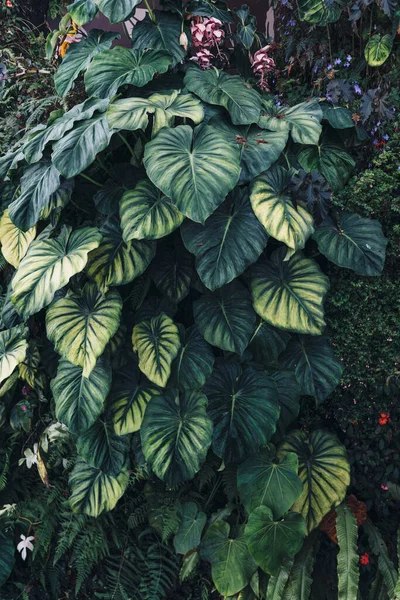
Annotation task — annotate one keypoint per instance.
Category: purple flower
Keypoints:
(315, 69)
(292, 23)
(328, 97)
(378, 123)
(357, 89)
(346, 64)
(386, 137)
(338, 61)
(349, 57)
(329, 67)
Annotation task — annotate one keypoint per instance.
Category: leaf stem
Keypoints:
(150, 11)
(127, 144)
(100, 185)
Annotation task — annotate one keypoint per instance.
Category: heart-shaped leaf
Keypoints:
(102, 448)
(13, 348)
(329, 159)
(320, 12)
(14, 242)
(83, 11)
(172, 272)
(302, 120)
(194, 362)
(190, 529)
(160, 32)
(378, 49)
(118, 10)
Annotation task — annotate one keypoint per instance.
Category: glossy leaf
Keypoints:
(83, 11)
(162, 34)
(118, 10)
(330, 160)
(378, 49)
(102, 448)
(302, 120)
(13, 348)
(190, 529)
(267, 343)
(320, 12)
(347, 560)
(194, 362)
(14, 242)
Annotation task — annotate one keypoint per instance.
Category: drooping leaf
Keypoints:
(172, 272)
(93, 491)
(244, 408)
(385, 563)
(267, 343)
(378, 49)
(128, 401)
(7, 559)
(271, 542)
(289, 294)
(347, 559)
(324, 471)
(81, 325)
(317, 369)
(82, 11)
(176, 434)
(13, 347)
(288, 391)
(226, 318)
(111, 69)
(196, 169)
(80, 400)
(162, 34)
(102, 448)
(262, 481)
(320, 12)
(222, 246)
(118, 10)
(48, 266)
(194, 362)
(146, 213)
(14, 242)
(230, 91)
(157, 343)
(302, 120)
(78, 57)
(190, 529)
(274, 208)
(38, 183)
(231, 562)
(329, 159)
(353, 242)
(115, 262)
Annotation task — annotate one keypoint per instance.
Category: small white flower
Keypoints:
(8, 509)
(31, 458)
(26, 543)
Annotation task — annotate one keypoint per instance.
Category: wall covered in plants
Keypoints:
(199, 347)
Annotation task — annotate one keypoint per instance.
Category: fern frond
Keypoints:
(397, 588)
(300, 580)
(277, 583)
(161, 572)
(229, 482)
(385, 565)
(347, 560)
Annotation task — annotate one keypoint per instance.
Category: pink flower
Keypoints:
(26, 543)
(384, 488)
(203, 58)
(262, 66)
(23, 408)
(207, 33)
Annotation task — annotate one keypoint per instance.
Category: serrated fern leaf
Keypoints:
(300, 580)
(277, 583)
(347, 560)
(385, 564)
(161, 573)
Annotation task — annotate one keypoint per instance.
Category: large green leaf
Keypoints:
(263, 481)
(102, 448)
(209, 8)
(329, 159)
(320, 12)
(272, 542)
(133, 113)
(162, 34)
(231, 562)
(222, 246)
(378, 49)
(230, 91)
(172, 272)
(78, 57)
(347, 559)
(290, 293)
(7, 559)
(14, 242)
(267, 343)
(34, 147)
(120, 66)
(176, 434)
(190, 529)
(157, 343)
(196, 169)
(83, 11)
(244, 408)
(38, 183)
(146, 213)
(93, 491)
(13, 347)
(48, 266)
(288, 391)
(351, 241)
(259, 149)
(302, 120)
(80, 400)
(128, 401)
(337, 116)
(194, 362)
(324, 471)
(118, 10)
(115, 262)
(316, 367)
(226, 318)
(274, 208)
(81, 325)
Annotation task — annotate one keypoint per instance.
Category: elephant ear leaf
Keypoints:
(83, 11)
(13, 349)
(272, 542)
(330, 160)
(160, 32)
(244, 408)
(263, 481)
(303, 120)
(317, 369)
(190, 529)
(194, 362)
(320, 12)
(176, 434)
(353, 242)
(267, 343)
(222, 246)
(14, 242)
(93, 491)
(231, 562)
(378, 49)
(274, 208)
(172, 271)
(195, 168)
(80, 400)
(226, 318)
(7, 556)
(118, 10)
(48, 266)
(102, 448)
(157, 343)
(78, 58)
(80, 326)
(324, 471)
(289, 294)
